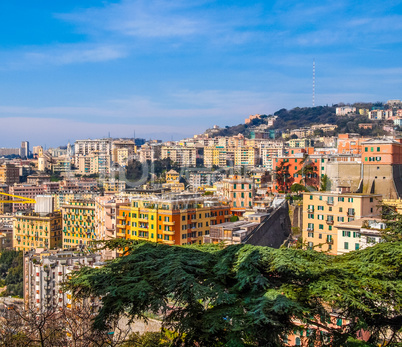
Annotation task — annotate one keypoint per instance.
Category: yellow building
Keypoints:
(37, 230)
(172, 176)
(178, 219)
(78, 223)
(322, 211)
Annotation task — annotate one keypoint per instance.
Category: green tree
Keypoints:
(245, 295)
(325, 183)
(282, 177)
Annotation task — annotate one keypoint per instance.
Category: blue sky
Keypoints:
(81, 69)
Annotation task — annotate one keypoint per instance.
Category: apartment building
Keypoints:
(183, 156)
(39, 229)
(44, 273)
(323, 211)
(359, 234)
(94, 163)
(85, 147)
(106, 211)
(239, 191)
(175, 219)
(27, 191)
(78, 223)
(150, 152)
(9, 174)
(204, 178)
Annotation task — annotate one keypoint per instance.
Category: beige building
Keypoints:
(183, 156)
(359, 234)
(239, 191)
(106, 210)
(323, 211)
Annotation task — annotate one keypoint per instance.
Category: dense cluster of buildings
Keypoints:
(225, 189)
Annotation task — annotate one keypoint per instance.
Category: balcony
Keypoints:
(310, 229)
(351, 213)
(121, 217)
(168, 242)
(169, 223)
(330, 242)
(143, 220)
(120, 226)
(330, 222)
(167, 232)
(330, 202)
(310, 210)
(123, 235)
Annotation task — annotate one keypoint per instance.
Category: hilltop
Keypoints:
(300, 117)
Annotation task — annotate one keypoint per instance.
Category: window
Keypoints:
(378, 149)
(341, 219)
(320, 217)
(311, 197)
(329, 238)
(346, 245)
(310, 216)
(320, 236)
(366, 149)
(371, 199)
(356, 246)
(321, 226)
(310, 234)
(350, 199)
(320, 208)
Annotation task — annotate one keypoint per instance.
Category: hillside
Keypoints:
(300, 117)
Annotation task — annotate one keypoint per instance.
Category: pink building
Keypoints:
(27, 191)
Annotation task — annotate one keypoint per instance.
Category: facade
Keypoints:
(37, 230)
(175, 219)
(323, 211)
(240, 192)
(78, 223)
(106, 211)
(345, 110)
(359, 234)
(9, 174)
(183, 156)
(205, 178)
(27, 191)
(44, 273)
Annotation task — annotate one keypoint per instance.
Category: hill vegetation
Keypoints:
(300, 117)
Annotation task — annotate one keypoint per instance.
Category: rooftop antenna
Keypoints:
(314, 82)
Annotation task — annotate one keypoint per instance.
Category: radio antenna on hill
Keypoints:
(313, 82)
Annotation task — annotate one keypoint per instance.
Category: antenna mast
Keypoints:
(313, 82)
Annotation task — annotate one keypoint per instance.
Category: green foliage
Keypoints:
(234, 218)
(11, 272)
(297, 187)
(245, 295)
(304, 117)
(325, 183)
(148, 339)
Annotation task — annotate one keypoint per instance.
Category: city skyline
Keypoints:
(166, 69)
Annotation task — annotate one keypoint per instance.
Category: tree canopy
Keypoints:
(245, 295)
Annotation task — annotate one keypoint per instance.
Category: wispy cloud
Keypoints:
(149, 19)
(61, 54)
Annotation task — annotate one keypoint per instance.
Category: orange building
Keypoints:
(293, 172)
(382, 151)
(177, 219)
(350, 144)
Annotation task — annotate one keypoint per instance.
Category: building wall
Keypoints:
(320, 215)
(33, 230)
(78, 223)
(170, 222)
